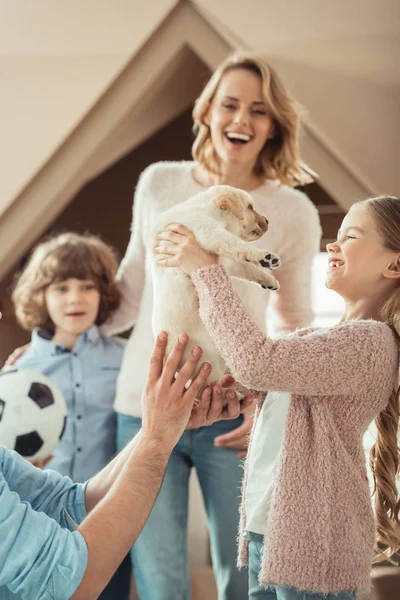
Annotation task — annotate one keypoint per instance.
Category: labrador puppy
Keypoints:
(224, 221)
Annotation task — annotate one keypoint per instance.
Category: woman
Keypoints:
(247, 130)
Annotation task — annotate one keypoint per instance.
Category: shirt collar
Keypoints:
(41, 340)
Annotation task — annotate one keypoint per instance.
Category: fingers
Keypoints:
(246, 402)
(167, 249)
(170, 236)
(233, 435)
(216, 405)
(172, 364)
(172, 261)
(178, 228)
(235, 444)
(187, 369)
(14, 356)
(199, 413)
(198, 382)
(40, 463)
(157, 357)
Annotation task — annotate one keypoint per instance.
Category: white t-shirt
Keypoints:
(264, 459)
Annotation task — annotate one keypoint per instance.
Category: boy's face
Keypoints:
(73, 306)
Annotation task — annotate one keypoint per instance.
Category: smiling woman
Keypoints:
(247, 136)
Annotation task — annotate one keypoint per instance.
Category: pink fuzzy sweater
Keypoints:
(320, 531)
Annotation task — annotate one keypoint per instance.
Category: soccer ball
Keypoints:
(33, 413)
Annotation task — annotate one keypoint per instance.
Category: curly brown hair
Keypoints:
(65, 256)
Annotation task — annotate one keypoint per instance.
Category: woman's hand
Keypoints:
(180, 249)
(40, 463)
(14, 356)
(238, 439)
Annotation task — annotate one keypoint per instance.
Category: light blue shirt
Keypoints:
(86, 376)
(40, 558)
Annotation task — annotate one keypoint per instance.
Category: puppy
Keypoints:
(223, 220)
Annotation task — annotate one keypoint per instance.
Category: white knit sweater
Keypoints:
(294, 234)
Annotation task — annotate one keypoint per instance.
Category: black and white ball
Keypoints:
(33, 413)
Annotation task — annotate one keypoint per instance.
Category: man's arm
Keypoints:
(130, 483)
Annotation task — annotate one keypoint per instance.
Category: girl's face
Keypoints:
(73, 306)
(360, 266)
(238, 118)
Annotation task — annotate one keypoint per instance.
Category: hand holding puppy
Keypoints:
(182, 250)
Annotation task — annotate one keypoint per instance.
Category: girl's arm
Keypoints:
(131, 273)
(339, 360)
(291, 305)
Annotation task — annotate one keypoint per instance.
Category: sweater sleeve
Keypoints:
(340, 360)
(131, 273)
(291, 305)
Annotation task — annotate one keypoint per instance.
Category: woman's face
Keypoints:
(238, 118)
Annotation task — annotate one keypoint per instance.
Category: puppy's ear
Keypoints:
(231, 203)
(223, 202)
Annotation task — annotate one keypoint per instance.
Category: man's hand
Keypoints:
(218, 405)
(167, 403)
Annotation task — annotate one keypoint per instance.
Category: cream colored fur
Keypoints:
(224, 220)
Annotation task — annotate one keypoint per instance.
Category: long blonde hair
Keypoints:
(385, 454)
(280, 157)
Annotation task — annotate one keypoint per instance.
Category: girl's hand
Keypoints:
(238, 439)
(182, 250)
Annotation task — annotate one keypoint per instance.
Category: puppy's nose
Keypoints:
(263, 223)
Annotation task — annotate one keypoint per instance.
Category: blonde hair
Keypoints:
(385, 454)
(280, 158)
(65, 256)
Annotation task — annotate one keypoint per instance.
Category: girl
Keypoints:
(64, 294)
(307, 527)
(247, 133)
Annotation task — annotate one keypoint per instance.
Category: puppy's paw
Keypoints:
(270, 261)
(272, 285)
(266, 280)
(272, 288)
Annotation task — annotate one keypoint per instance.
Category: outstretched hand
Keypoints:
(218, 405)
(179, 248)
(169, 406)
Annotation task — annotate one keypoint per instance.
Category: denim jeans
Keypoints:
(279, 593)
(160, 555)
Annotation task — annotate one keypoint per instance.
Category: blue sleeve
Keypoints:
(46, 491)
(39, 559)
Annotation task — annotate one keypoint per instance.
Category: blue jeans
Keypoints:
(279, 593)
(160, 554)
